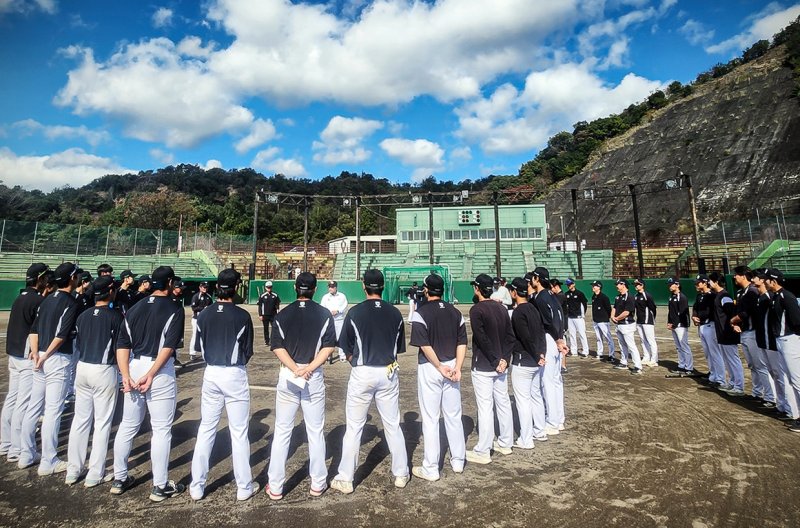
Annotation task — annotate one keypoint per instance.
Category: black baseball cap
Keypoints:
(774, 274)
(496, 280)
(373, 278)
(520, 286)
(305, 281)
(103, 285)
(227, 279)
(598, 284)
(64, 272)
(637, 281)
(483, 281)
(145, 278)
(127, 273)
(673, 280)
(701, 278)
(761, 273)
(177, 282)
(542, 273)
(622, 281)
(105, 268)
(333, 284)
(35, 271)
(204, 284)
(161, 276)
(435, 284)
(86, 276)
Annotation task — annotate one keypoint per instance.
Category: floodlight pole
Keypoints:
(358, 238)
(577, 232)
(305, 234)
(251, 271)
(632, 188)
(430, 226)
(497, 265)
(78, 243)
(693, 207)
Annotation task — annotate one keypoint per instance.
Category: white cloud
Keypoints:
(28, 6)
(763, 26)
(425, 156)
(696, 32)
(342, 140)
(261, 132)
(290, 168)
(162, 156)
(31, 126)
(213, 164)
(263, 157)
(510, 121)
(72, 167)
(162, 17)
(461, 154)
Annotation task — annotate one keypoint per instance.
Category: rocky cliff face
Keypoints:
(739, 138)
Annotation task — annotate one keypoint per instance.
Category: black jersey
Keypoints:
(85, 300)
(268, 304)
(785, 314)
(152, 325)
(551, 313)
(678, 310)
(531, 346)
(764, 337)
(96, 333)
(576, 304)
(125, 299)
(747, 307)
(200, 301)
(225, 335)
(56, 318)
(439, 325)
(724, 310)
(373, 333)
(20, 321)
(625, 302)
(645, 308)
(303, 328)
(492, 336)
(601, 308)
(703, 307)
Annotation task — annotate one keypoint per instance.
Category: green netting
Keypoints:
(398, 280)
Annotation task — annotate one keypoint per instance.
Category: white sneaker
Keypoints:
(91, 483)
(458, 471)
(59, 467)
(500, 449)
(541, 438)
(561, 427)
(400, 482)
(549, 431)
(342, 486)
(477, 458)
(520, 445)
(71, 480)
(419, 472)
(255, 487)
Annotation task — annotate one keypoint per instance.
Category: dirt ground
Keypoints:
(637, 451)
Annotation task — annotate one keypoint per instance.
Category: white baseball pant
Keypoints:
(288, 399)
(491, 390)
(20, 381)
(337, 326)
(576, 326)
(224, 387)
(553, 385)
(680, 335)
(159, 401)
(763, 385)
(365, 384)
(193, 341)
(527, 385)
(789, 348)
(716, 365)
(733, 364)
(438, 395)
(647, 334)
(627, 345)
(786, 401)
(95, 397)
(603, 333)
(47, 394)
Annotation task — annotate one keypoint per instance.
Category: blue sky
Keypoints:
(401, 89)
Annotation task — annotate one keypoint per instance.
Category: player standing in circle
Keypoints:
(439, 330)
(601, 317)
(646, 323)
(225, 338)
(727, 338)
(335, 302)
(303, 337)
(678, 324)
(529, 358)
(51, 340)
(492, 346)
(372, 336)
(97, 330)
(576, 304)
(200, 301)
(624, 314)
(412, 294)
(268, 305)
(146, 348)
(702, 317)
(20, 367)
(126, 295)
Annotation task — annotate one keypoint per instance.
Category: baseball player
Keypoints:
(439, 330)
(145, 288)
(702, 318)
(492, 346)
(624, 315)
(646, 323)
(51, 341)
(727, 338)
(96, 332)
(784, 325)
(200, 301)
(126, 295)
(20, 368)
(500, 293)
(225, 338)
(601, 317)
(530, 356)
(576, 304)
(372, 336)
(268, 305)
(303, 337)
(105, 269)
(146, 357)
(336, 302)
(678, 324)
(83, 292)
(412, 293)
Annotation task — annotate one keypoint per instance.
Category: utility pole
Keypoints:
(430, 226)
(497, 265)
(577, 232)
(701, 265)
(632, 188)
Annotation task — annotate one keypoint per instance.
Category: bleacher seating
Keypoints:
(787, 259)
(657, 261)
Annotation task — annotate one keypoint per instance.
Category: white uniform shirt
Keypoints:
(503, 295)
(336, 302)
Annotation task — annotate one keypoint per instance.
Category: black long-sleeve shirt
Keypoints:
(492, 336)
(678, 310)
(97, 330)
(625, 302)
(785, 314)
(56, 318)
(764, 337)
(551, 313)
(125, 299)
(576, 303)
(645, 308)
(373, 333)
(441, 326)
(151, 325)
(703, 307)
(724, 310)
(225, 335)
(268, 304)
(303, 329)
(747, 307)
(601, 308)
(529, 331)
(20, 321)
(200, 301)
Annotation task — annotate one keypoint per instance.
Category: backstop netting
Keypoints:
(398, 280)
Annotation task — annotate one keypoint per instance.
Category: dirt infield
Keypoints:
(637, 451)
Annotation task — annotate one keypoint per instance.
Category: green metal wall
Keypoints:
(9, 290)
